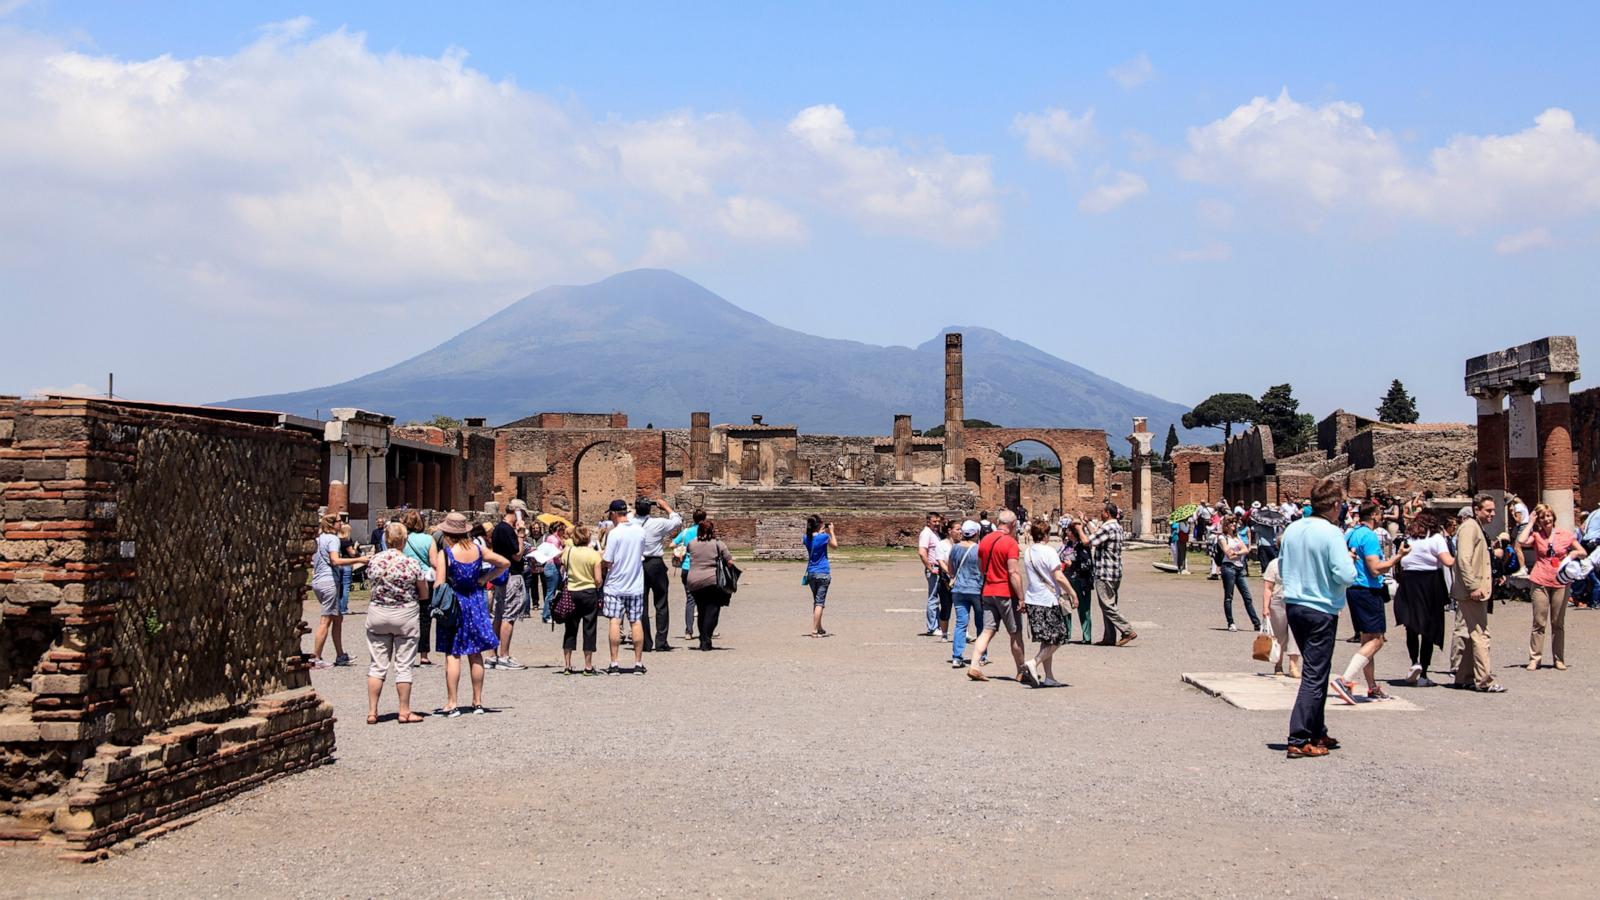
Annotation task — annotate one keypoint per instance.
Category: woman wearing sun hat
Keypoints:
(460, 565)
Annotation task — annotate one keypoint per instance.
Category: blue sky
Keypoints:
(249, 198)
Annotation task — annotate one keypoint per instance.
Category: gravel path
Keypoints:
(862, 764)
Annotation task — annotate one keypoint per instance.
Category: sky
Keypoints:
(219, 200)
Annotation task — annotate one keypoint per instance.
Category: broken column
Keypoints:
(1522, 444)
(902, 448)
(1538, 440)
(1492, 453)
(700, 446)
(1139, 451)
(1557, 469)
(954, 411)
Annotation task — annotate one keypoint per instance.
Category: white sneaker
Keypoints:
(509, 662)
(1233, 628)
(491, 662)
(1424, 682)
(1414, 676)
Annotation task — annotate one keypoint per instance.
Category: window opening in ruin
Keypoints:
(1032, 476)
(1086, 471)
(973, 472)
(1199, 473)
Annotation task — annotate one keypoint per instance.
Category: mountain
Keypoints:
(658, 346)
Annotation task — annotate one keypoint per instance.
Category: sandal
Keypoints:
(409, 719)
(372, 720)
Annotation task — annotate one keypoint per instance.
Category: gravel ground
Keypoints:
(862, 764)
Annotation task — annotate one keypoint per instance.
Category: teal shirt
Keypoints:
(1315, 564)
(683, 538)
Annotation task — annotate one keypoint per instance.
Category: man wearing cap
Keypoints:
(622, 580)
(656, 530)
(508, 596)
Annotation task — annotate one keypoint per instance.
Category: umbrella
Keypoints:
(1183, 512)
(1268, 517)
(552, 518)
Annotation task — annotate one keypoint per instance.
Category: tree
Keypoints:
(1172, 443)
(438, 421)
(1280, 411)
(1222, 411)
(937, 431)
(1398, 407)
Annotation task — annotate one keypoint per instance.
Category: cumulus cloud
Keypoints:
(1119, 189)
(1319, 159)
(1134, 72)
(755, 219)
(1055, 135)
(1523, 240)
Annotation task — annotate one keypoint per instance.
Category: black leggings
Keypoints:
(1420, 649)
(586, 605)
(708, 604)
(946, 599)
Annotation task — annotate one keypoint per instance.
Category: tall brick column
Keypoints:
(902, 448)
(1492, 453)
(700, 446)
(955, 451)
(1522, 445)
(1557, 468)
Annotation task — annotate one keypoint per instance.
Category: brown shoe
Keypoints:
(1127, 639)
(1328, 742)
(1560, 666)
(976, 674)
(1298, 751)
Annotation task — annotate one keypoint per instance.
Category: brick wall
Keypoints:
(1586, 445)
(1196, 475)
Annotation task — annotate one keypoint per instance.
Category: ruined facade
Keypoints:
(1524, 446)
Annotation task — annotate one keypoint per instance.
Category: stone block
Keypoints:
(31, 594)
(61, 684)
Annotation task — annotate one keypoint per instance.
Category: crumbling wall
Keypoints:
(1196, 475)
(1586, 445)
(1401, 460)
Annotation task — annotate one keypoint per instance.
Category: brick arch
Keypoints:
(547, 459)
(602, 472)
(1070, 445)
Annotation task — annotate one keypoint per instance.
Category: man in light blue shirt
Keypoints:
(1316, 569)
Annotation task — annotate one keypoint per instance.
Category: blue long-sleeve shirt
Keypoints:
(1315, 564)
(1591, 527)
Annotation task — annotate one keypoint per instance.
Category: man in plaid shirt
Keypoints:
(1106, 545)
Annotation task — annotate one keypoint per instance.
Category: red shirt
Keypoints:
(1548, 554)
(994, 552)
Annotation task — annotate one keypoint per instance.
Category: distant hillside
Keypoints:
(658, 346)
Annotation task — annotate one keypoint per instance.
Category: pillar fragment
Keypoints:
(1491, 468)
(1557, 468)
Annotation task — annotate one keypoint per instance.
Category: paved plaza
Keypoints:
(861, 764)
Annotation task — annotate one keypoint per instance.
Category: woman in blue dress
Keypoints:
(470, 631)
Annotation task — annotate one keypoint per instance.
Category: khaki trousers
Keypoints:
(1472, 628)
(1549, 614)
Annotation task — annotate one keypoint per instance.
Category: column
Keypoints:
(1139, 453)
(1557, 468)
(902, 448)
(700, 446)
(955, 453)
(430, 485)
(1522, 445)
(1492, 454)
(414, 484)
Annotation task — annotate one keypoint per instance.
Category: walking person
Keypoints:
(1366, 598)
(419, 547)
(557, 539)
(1420, 603)
(581, 563)
(394, 578)
(622, 585)
(1047, 589)
(1078, 558)
(680, 556)
(508, 594)
(1551, 546)
(326, 563)
(1000, 558)
(346, 574)
(1106, 546)
(927, 551)
(952, 534)
(1472, 588)
(1316, 568)
(656, 531)
(819, 540)
(1235, 552)
(460, 564)
(1288, 661)
(966, 589)
(709, 598)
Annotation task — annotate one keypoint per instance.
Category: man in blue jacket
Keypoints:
(1316, 568)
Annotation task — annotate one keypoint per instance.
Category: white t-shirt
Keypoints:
(1040, 568)
(929, 541)
(1271, 573)
(625, 555)
(941, 552)
(1424, 555)
(322, 560)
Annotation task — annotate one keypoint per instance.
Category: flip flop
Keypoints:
(413, 719)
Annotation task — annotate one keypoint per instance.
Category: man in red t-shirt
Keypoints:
(1002, 594)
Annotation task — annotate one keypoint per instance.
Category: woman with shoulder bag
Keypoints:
(419, 547)
(1047, 589)
(1233, 552)
(466, 566)
(704, 553)
(581, 563)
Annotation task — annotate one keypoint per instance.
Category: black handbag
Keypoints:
(727, 575)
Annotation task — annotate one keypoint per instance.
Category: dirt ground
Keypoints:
(861, 764)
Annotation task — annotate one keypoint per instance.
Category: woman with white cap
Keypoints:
(962, 567)
(469, 631)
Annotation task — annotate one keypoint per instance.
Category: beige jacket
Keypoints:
(1473, 571)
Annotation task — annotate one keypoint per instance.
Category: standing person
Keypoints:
(460, 564)
(1316, 568)
(622, 584)
(1106, 547)
(419, 547)
(325, 565)
(392, 615)
(1266, 540)
(345, 574)
(819, 540)
(927, 551)
(1366, 597)
(709, 599)
(951, 531)
(1047, 587)
(1078, 558)
(1420, 603)
(680, 552)
(1472, 587)
(1551, 546)
(966, 589)
(378, 539)
(985, 527)
(557, 539)
(1000, 558)
(509, 592)
(1591, 541)
(1272, 604)
(1234, 552)
(656, 530)
(581, 562)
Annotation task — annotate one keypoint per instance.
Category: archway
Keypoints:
(1031, 478)
(603, 472)
(972, 472)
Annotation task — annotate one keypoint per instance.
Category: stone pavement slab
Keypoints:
(1258, 691)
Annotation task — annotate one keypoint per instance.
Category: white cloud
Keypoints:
(1214, 212)
(1134, 72)
(664, 247)
(1122, 187)
(1055, 135)
(1523, 240)
(755, 219)
(1316, 160)
(1215, 251)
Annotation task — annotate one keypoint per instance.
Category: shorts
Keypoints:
(327, 596)
(1366, 608)
(818, 582)
(1000, 609)
(627, 608)
(510, 600)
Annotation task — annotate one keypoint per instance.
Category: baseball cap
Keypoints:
(619, 506)
(970, 528)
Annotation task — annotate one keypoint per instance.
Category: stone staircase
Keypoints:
(778, 501)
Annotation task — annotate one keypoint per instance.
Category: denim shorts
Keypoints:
(819, 582)
(1366, 608)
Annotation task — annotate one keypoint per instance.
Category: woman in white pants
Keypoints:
(1288, 661)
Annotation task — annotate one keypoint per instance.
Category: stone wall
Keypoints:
(152, 569)
(1586, 444)
(1196, 475)
(1403, 459)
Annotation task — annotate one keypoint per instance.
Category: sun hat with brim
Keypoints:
(455, 524)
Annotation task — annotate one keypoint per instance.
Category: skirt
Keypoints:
(1420, 603)
(1047, 625)
(474, 629)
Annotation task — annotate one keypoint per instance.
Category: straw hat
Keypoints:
(455, 525)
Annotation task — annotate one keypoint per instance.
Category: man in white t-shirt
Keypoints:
(928, 552)
(622, 580)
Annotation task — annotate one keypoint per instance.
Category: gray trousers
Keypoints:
(1112, 623)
